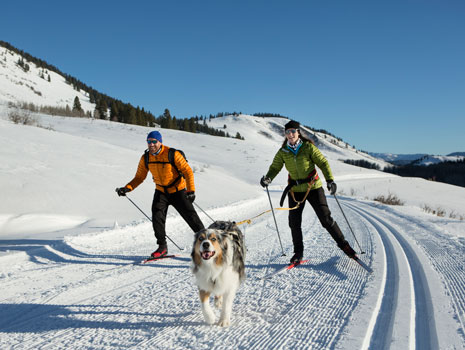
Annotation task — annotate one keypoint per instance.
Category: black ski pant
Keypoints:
(317, 199)
(160, 204)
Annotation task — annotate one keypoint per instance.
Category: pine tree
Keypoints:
(186, 125)
(114, 113)
(166, 120)
(193, 125)
(238, 136)
(77, 105)
(102, 107)
(132, 118)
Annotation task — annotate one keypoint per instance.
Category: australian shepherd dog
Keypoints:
(218, 258)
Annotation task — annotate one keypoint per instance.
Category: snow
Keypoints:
(69, 247)
(20, 86)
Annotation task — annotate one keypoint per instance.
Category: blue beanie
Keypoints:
(155, 135)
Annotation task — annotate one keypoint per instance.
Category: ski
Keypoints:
(297, 263)
(149, 259)
(285, 268)
(362, 264)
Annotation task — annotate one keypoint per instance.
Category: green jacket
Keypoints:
(300, 165)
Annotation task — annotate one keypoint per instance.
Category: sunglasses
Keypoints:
(152, 142)
(291, 131)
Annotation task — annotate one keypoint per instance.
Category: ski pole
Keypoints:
(182, 249)
(274, 217)
(340, 207)
(203, 211)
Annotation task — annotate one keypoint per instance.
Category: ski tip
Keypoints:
(157, 259)
(362, 264)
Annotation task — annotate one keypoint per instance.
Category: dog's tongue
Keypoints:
(207, 254)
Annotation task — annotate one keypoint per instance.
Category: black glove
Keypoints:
(190, 196)
(265, 181)
(332, 187)
(122, 191)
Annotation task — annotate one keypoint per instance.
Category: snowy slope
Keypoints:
(428, 160)
(66, 235)
(18, 85)
(273, 128)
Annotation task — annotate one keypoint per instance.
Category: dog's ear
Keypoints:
(196, 259)
(224, 240)
(195, 248)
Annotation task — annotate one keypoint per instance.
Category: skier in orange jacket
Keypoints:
(174, 180)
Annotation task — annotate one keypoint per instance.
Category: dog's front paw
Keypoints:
(226, 322)
(209, 317)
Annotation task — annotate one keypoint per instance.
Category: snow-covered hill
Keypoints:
(251, 127)
(428, 160)
(36, 85)
(418, 159)
(33, 85)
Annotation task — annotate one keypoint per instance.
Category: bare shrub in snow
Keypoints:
(21, 116)
(391, 199)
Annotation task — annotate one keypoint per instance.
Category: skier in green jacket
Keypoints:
(300, 156)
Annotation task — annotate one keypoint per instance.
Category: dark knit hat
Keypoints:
(292, 125)
(155, 135)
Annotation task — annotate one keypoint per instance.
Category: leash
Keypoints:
(249, 221)
(298, 204)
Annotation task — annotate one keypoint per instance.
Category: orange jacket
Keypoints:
(164, 173)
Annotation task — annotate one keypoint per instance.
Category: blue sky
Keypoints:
(385, 76)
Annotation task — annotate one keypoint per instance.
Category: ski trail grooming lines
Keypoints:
(129, 199)
(284, 269)
(355, 258)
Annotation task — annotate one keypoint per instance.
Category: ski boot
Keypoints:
(160, 252)
(296, 258)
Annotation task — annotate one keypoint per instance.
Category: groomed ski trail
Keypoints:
(404, 294)
(101, 300)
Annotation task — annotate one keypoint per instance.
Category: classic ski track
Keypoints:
(68, 333)
(67, 336)
(446, 262)
(49, 298)
(263, 306)
(422, 333)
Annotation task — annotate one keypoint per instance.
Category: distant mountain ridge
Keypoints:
(457, 154)
(418, 158)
